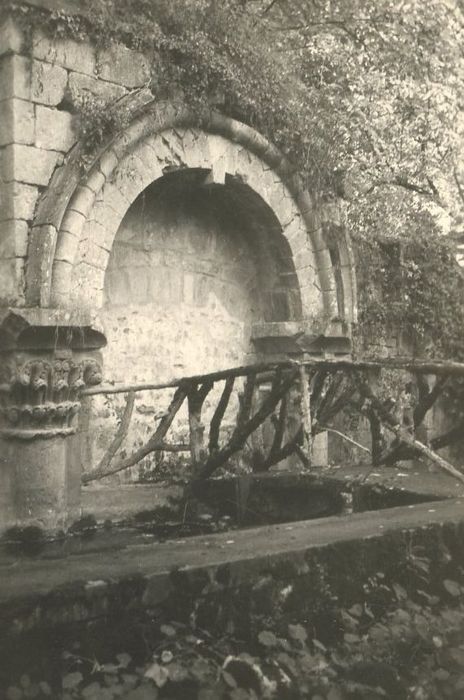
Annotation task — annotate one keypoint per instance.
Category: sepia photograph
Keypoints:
(232, 349)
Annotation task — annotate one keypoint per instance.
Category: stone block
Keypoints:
(74, 55)
(106, 164)
(66, 248)
(48, 83)
(82, 200)
(13, 239)
(99, 234)
(324, 260)
(115, 204)
(54, 129)
(139, 287)
(118, 64)
(28, 164)
(17, 122)
(17, 201)
(311, 299)
(285, 210)
(11, 280)
(81, 87)
(307, 275)
(15, 77)
(93, 255)
(7, 280)
(11, 37)
(304, 259)
(62, 278)
(294, 229)
(73, 222)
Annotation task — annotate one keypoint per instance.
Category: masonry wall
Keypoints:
(168, 309)
(41, 83)
(190, 271)
(182, 284)
(181, 293)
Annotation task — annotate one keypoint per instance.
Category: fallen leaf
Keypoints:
(167, 657)
(158, 674)
(356, 610)
(124, 659)
(452, 587)
(298, 632)
(267, 638)
(72, 680)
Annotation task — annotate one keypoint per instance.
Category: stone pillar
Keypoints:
(40, 386)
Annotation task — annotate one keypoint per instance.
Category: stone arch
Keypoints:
(76, 223)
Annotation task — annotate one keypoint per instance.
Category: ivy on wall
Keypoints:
(233, 56)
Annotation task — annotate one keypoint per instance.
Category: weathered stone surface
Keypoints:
(89, 251)
(304, 259)
(119, 64)
(324, 261)
(73, 221)
(7, 280)
(17, 201)
(176, 577)
(74, 55)
(13, 238)
(62, 272)
(11, 37)
(40, 482)
(179, 273)
(11, 281)
(28, 164)
(82, 86)
(125, 500)
(17, 124)
(48, 83)
(15, 77)
(67, 247)
(54, 129)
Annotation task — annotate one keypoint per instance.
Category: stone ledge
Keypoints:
(300, 336)
(117, 503)
(20, 327)
(175, 575)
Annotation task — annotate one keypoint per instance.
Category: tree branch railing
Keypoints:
(325, 387)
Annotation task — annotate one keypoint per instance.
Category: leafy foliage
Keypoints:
(364, 97)
(393, 643)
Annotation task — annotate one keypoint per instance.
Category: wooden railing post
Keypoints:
(306, 413)
(196, 397)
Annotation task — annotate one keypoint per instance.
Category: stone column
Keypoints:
(40, 391)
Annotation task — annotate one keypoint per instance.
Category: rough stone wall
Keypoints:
(40, 83)
(186, 280)
(180, 274)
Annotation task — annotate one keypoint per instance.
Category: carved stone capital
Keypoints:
(40, 397)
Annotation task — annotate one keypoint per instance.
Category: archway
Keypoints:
(77, 219)
(242, 190)
(193, 267)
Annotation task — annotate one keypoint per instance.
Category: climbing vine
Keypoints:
(308, 81)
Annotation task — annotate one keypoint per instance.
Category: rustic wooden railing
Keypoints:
(324, 388)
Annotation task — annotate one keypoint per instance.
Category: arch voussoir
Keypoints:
(157, 141)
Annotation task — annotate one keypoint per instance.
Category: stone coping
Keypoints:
(122, 501)
(31, 589)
